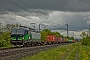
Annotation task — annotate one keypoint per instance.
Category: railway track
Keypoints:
(17, 53)
(9, 48)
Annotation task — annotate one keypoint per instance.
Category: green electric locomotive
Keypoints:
(25, 36)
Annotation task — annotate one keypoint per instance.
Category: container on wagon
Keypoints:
(63, 40)
(50, 38)
(73, 41)
(69, 40)
(66, 39)
(60, 39)
(56, 38)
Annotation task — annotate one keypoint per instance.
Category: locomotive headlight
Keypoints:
(23, 38)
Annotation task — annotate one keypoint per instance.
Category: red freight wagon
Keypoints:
(60, 39)
(56, 39)
(51, 38)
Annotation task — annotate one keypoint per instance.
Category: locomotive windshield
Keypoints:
(17, 31)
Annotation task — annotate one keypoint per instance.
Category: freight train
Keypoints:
(28, 37)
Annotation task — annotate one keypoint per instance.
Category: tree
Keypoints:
(1, 26)
(86, 37)
(48, 31)
(43, 35)
(83, 35)
(72, 38)
(10, 26)
(56, 33)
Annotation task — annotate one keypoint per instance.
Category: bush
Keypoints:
(86, 41)
(5, 39)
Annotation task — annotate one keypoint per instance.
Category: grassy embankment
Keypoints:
(85, 53)
(52, 54)
(77, 51)
(81, 52)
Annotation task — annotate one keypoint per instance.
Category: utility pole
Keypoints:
(73, 34)
(39, 27)
(67, 29)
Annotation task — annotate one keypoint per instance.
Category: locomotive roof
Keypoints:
(24, 28)
(27, 27)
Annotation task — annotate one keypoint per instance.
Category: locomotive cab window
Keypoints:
(25, 32)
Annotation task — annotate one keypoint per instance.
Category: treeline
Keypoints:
(7, 27)
(5, 34)
(85, 37)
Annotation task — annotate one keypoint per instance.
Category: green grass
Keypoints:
(85, 52)
(72, 54)
(51, 54)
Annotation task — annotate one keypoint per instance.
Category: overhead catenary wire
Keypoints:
(30, 12)
(44, 10)
(28, 6)
(62, 27)
(19, 6)
(36, 4)
(56, 18)
(12, 12)
(40, 8)
(26, 10)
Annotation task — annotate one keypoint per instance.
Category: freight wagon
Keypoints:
(51, 39)
(71, 41)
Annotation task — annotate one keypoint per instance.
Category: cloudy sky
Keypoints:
(54, 13)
